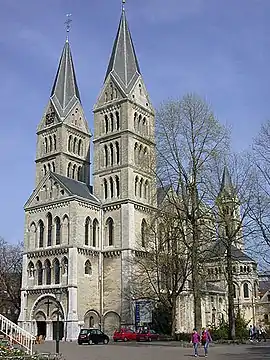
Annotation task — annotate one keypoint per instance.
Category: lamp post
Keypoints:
(58, 294)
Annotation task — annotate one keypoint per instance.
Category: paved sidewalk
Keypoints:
(154, 351)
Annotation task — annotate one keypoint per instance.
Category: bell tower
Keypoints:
(63, 136)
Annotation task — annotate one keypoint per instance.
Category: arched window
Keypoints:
(39, 273)
(49, 227)
(87, 268)
(50, 143)
(44, 169)
(54, 142)
(111, 187)
(56, 271)
(86, 231)
(74, 171)
(117, 186)
(49, 167)
(117, 120)
(31, 269)
(135, 121)
(136, 153)
(117, 152)
(105, 189)
(112, 121)
(241, 268)
(69, 170)
(144, 126)
(53, 166)
(246, 291)
(141, 187)
(106, 155)
(70, 143)
(106, 120)
(46, 145)
(41, 233)
(80, 173)
(48, 272)
(95, 232)
(139, 122)
(106, 96)
(57, 231)
(80, 147)
(110, 231)
(75, 145)
(136, 185)
(234, 291)
(111, 154)
(64, 266)
(140, 158)
(146, 189)
(143, 232)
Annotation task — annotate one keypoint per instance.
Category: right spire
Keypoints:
(226, 184)
(123, 65)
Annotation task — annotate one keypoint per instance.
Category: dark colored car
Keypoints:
(92, 336)
(124, 335)
(147, 335)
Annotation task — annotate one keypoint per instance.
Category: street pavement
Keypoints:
(154, 351)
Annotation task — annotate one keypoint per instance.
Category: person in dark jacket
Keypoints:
(206, 339)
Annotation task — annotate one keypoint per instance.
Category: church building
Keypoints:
(78, 237)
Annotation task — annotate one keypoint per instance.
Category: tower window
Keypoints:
(234, 291)
(246, 291)
(57, 231)
(136, 185)
(111, 154)
(112, 121)
(54, 142)
(143, 232)
(88, 268)
(106, 155)
(110, 231)
(70, 143)
(69, 170)
(117, 120)
(50, 143)
(41, 233)
(46, 145)
(49, 224)
(39, 273)
(117, 186)
(106, 124)
(117, 152)
(56, 271)
(105, 189)
(111, 187)
(95, 232)
(86, 231)
(48, 272)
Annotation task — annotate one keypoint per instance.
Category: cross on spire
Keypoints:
(123, 4)
(68, 23)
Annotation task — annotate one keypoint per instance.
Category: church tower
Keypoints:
(124, 162)
(229, 210)
(63, 143)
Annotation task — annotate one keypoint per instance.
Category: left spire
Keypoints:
(65, 92)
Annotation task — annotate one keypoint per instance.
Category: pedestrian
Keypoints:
(250, 332)
(195, 340)
(206, 339)
(255, 333)
(263, 333)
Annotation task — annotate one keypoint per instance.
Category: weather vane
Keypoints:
(68, 23)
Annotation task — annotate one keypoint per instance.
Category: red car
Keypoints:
(124, 335)
(147, 335)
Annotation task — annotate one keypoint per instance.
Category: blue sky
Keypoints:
(218, 49)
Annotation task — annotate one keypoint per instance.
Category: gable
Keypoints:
(48, 190)
(77, 119)
(50, 117)
(110, 92)
(140, 95)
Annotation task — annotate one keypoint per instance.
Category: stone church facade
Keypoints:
(78, 238)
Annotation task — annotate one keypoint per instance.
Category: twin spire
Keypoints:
(123, 67)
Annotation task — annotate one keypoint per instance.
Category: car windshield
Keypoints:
(84, 331)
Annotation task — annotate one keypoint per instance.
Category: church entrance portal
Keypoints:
(61, 330)
(41, 328)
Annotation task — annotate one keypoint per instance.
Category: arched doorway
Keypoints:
(112, 321)
(61, 325)
(92, 319)
(41, 324)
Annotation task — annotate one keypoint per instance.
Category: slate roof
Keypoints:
(226, 183)
(219, 249)
(162, 193)
(77, 188)
(123, 65)
(65, 92)
(213, 288)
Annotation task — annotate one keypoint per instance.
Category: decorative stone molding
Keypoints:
(112, 207)
(56, 204)
(111, 253)
(110, 108)
(46, 291)
(84, 204)
(88, 252)
(142, 208)
(47, 252)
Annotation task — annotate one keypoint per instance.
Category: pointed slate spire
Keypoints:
(65, 92)
(123, 65)
(226, 184)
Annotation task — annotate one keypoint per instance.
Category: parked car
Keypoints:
(124, 335)
(92, 336)
(147, 335)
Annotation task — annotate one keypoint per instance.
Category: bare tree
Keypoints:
(10, 275)
(162, 265)
(189, 141)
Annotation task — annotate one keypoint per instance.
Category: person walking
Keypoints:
(250, 333)
(195, 340)
(263, 333)
(206, 339)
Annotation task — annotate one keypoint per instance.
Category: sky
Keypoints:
(215, 48)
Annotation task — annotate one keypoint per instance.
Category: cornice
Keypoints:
(47, 252)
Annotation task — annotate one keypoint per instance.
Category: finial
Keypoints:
(68, 22)
(123, 4)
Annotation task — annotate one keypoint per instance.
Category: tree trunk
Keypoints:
(173, 328)
(231, 314)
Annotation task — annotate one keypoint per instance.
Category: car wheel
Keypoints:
(105, 341)
(125, 339)
(90, 342)
(79, 343)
